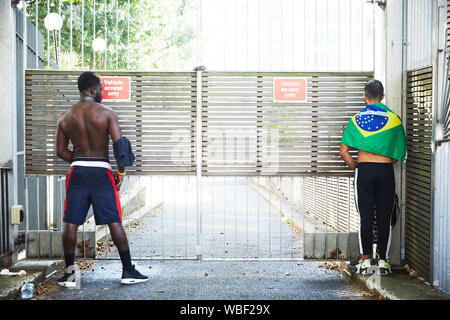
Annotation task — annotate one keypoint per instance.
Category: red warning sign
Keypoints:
(116, 88)
(289, 89)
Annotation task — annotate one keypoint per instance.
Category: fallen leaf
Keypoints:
(206, 274)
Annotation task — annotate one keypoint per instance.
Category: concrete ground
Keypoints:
(236, 224)
(211, 280)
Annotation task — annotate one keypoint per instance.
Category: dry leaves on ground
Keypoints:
(84, 264)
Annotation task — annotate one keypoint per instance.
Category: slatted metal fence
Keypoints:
(418, 171)
(244, 135)
(159, 120)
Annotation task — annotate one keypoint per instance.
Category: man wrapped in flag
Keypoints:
(378, 134)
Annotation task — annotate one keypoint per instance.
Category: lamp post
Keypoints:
(53, 22)
(99, 45)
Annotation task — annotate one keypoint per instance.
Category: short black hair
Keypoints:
(88, 80)
(374, 89)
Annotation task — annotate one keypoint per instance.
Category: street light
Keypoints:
(53, 22)
(99, 45)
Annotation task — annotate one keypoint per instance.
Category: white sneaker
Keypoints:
(364, 267)
(384, 267)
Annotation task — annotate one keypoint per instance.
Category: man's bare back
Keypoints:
(88, 125)
(364, 156)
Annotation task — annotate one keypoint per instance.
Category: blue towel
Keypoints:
(123, 153)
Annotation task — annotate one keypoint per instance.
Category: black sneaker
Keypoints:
(68, 279)
(132, 276)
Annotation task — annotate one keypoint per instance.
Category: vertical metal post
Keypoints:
(105, 63)
(326, 217)
(212, 217)
(235, 216)
(82, 33)
(139, 213)
(117, 34)
(303, 212)
(315, 217)
(161, 225)
(246, 189)
(36, 64)
(224, 217)
(71, 26)
(185, 216)
(292, 217)
(174, 217)
(337, 218)
(348, 215)
(281, 220)
(26, 214)
(270, 222)
(93, 32)
(38, 229)
(257, 250)
(48, 37)
(59, 32)
(199, 160)
(151, 215)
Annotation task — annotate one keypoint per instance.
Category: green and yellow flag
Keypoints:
(378, 130)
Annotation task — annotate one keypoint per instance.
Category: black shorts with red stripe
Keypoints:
(90, 181)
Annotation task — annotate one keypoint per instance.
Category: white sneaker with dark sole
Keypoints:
(384, 268)
(132, 276)
(364, 267)
(68, 279)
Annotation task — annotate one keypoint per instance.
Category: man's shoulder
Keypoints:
(63, 115)
(102, 108)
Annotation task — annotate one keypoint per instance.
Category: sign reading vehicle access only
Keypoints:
(289, 89)
(116, 88)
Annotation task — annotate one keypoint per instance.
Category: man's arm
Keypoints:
(345, 154)
(62, 142)
(116, 134)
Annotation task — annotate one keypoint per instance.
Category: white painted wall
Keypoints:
(6, 80)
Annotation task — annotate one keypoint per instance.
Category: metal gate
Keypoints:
(222, 171)
(418, 243)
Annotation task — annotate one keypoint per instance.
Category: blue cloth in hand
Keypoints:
(123, 153)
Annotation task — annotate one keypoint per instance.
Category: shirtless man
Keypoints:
(90, 181)
(376, 127)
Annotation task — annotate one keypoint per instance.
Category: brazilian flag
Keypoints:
(378, 130)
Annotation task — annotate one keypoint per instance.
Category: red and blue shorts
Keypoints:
(90, 181)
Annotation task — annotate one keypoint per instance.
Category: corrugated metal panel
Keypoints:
(159, 120)
(418, 171)
(246, 133)
(441, 216)
(441, 207)
(419, 33)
